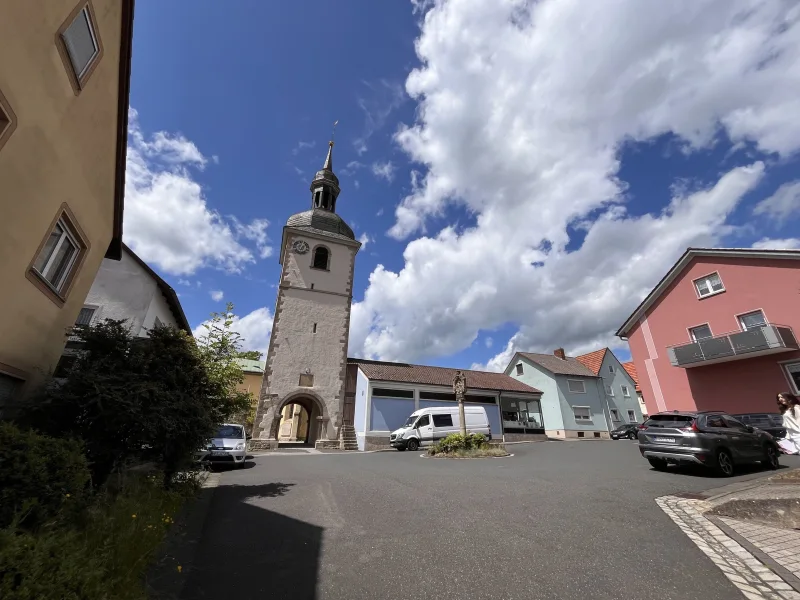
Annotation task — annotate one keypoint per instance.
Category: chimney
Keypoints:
(560, 354)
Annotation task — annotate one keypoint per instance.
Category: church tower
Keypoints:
(307, 356)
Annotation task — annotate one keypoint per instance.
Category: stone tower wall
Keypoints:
(296, 348)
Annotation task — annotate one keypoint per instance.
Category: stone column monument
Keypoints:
(460, 388)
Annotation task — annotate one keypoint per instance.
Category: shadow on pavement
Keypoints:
(700, 471)
(249, 551)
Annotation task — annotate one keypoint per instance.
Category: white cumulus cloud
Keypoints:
(255, 329)
(384, 170)
(365, 239)
(783, 203)
(522, 120)
(216, 295)
(777, 244)
(168, 222)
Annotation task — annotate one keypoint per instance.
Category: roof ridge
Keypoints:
(406, 364)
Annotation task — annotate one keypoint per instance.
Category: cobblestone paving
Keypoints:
(764, 492)
(782, 545)
(746, 572)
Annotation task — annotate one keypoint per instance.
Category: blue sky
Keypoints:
(530, 165)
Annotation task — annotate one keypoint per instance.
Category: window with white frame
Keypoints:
(752, 320)
(58, 256)
(632, 416)
(701, 332)
(609, 390)
(610, 368)
(519, 368)
(576, 386)
(615, 415)
(85, 316)
(793, 373)
(626, 392)
(710, 284)
(80, 40)
(582, 413)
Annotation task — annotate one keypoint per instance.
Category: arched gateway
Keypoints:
(307, 357)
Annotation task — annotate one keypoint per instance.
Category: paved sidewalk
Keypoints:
(762, 561)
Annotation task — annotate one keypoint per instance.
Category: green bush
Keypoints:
(132, 399)
(102, 555)
(455, 442)
(40, 476)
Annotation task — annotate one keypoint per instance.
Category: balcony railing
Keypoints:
(736, 345)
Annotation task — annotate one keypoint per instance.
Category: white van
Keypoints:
(429, 425)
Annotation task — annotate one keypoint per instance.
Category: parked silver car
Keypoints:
(712, 439)
(228, 446)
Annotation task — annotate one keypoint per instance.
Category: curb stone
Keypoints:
(755, 580)
(163, 581)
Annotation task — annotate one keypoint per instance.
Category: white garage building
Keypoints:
(381, 396)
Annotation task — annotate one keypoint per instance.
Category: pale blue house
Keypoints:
(578, 401)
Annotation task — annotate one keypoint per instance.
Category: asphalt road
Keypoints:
(557, 520)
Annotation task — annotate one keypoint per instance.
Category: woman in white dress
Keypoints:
(788, 404)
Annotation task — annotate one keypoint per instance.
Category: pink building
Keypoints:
(719, 332)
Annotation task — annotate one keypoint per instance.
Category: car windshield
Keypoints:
(410, 421)
(229, 431)
(622, 427)
(675, 421)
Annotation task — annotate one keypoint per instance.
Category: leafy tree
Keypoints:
(157, 398)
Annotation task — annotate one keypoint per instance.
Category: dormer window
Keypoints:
(708, 285)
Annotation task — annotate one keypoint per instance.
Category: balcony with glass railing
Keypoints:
(736, 345)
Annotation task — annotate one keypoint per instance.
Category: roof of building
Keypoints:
(114, 250)
(321, 221)
(251, 366)
(593, 360)
(558, 366)
(683, 262)
(631, 369)
(423, 374)
(172, 298)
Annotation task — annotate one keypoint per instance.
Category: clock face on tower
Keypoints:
(300, 246)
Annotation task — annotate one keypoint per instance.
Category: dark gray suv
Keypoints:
(712, 439)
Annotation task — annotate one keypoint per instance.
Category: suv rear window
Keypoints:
(675, 421)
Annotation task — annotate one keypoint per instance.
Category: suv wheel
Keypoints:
(771, 453)
(724, 465)
(658, 464)
(412, 444)
(631, 436)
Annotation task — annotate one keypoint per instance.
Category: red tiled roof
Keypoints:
(631, 369)
(405, 373)
(593, 360)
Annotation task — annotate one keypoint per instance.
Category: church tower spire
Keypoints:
(325, 185)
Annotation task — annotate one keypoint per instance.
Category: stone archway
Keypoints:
(294, 423)
(317, 416)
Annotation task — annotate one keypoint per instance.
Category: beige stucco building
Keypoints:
(253, 371)
(64, 89)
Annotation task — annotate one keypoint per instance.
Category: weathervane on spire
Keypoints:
(333, 133)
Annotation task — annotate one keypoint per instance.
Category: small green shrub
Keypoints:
(456, 442)
(40, 476)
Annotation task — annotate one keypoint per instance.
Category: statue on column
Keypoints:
(460, 389)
